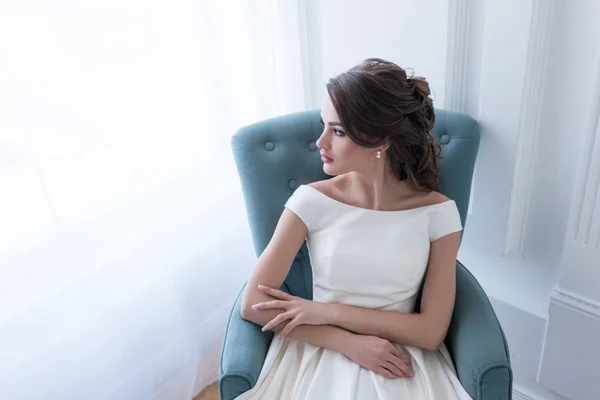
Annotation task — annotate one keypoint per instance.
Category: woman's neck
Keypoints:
(380, 189)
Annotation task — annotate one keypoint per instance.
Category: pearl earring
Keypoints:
(378, 154)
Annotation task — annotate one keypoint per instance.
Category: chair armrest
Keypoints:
(243, 354)
(477, 343)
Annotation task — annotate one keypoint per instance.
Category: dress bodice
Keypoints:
(369, 258)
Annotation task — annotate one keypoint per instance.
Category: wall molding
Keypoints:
(458, 55)
(575, 302)
(574, 322)
(517, 395)
(588, 200)
(529, 125)
(520, 393)
(586, 203)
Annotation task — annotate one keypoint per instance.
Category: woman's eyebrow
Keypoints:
(331, 123)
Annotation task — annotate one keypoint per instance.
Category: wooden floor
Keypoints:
(211, 392)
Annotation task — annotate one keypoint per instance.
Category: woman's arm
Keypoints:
(273, 265)
(271, 269)
(427, 329)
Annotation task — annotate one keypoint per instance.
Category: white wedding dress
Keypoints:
(367, 258)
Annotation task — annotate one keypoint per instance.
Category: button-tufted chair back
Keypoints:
(275, 156)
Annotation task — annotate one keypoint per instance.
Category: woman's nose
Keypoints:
(322, 142)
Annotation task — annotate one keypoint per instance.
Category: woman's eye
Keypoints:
(338, 132)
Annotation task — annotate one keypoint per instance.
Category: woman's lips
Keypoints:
(326, 159)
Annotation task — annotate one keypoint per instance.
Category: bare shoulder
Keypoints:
(434, 197)
(330, 187)
(418, 199)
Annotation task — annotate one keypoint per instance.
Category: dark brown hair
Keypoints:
(378, 103)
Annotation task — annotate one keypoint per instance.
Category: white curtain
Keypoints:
(123, 235)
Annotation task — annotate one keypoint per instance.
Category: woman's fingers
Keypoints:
(276, 321)
(401, 361)
(288, 328)
(394, 369)
(385, 373)
(402, 355)
(404, 369)
(269, 305)
(280, 294)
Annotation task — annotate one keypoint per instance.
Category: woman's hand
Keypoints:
(298, 311)
(380, 356)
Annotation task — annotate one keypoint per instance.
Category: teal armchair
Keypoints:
(273, 158)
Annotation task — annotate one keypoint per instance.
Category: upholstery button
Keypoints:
(269, 146)
(299, 256)
(445, 139)
(293, 184)
(312, 146)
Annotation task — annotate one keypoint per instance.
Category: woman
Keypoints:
(372, 231)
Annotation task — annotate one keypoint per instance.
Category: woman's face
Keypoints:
(339, 153)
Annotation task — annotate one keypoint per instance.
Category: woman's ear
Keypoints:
(385, 146)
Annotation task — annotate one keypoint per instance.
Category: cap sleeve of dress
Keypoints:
(444, 219)
(303, 203)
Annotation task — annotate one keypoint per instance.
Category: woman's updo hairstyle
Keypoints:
(378, 103)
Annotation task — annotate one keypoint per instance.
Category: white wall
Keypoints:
(342, 33)
(572, 114)
(571, 66)
(533, 239)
